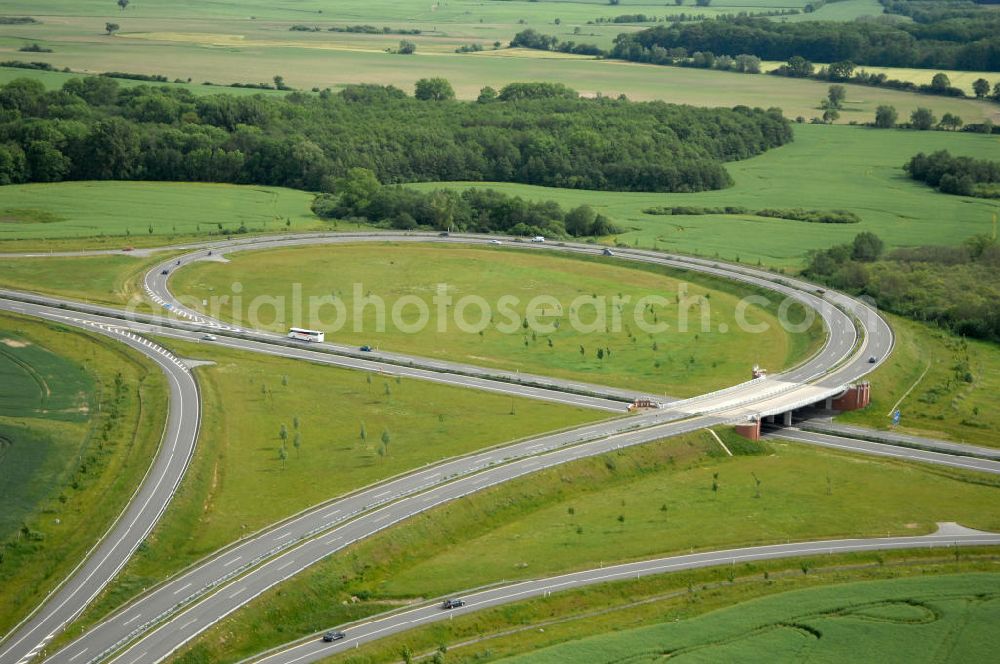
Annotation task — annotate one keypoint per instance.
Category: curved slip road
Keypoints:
(135, 522)
(313, 649)
(732, 404)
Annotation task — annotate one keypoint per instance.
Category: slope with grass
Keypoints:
(933, 619)
(637, 503)
(113, 215)
(825, 168)
(114, 280)
(527, 627)
(607, 345)
(943, 385)
(80, 419)
(342, 432)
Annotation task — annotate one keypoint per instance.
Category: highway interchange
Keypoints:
(152, 626)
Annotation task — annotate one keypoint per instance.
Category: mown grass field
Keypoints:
(933, 619)
(927, 378)
(608, 346)
(119, 214)
(825, 168)
(80, 419)
(567, 518)
(237, 482)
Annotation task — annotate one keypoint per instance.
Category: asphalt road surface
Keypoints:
(950, 459)
(314, 649)
(140, 515)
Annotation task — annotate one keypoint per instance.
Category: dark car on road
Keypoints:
(365, 349)
(453, 603)
(329, 637)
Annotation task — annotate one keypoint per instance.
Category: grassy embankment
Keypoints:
(678, 361)
(569, 518)
(80, 419)
(237, 482)
(943, 385)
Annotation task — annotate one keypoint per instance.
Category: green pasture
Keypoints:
(582, 332)
(826, 168)
(237, 482)
(932, 619)
(80, 418)
(568, 518)
(120, 214)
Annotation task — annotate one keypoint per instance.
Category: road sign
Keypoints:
(896, 416)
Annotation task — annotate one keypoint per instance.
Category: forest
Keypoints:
(93, 129)
(963, 176)
(953, 287)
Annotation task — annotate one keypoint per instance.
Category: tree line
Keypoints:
(793, 214)
(961, 43)
(360, 196)
(950, 174)
(953, 287)
(539, 134)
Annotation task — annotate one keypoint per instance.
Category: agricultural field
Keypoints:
(569, 518)
(237, 482)
(824, 168)
(915, 620)
(80, 418)
(583, 333)
(958, 79)
(211, 42)
(114, 215)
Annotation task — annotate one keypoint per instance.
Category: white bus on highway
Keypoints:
(306, 335)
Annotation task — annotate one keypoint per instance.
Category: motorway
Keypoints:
(313, 649)
(832, 441)
(176, 611)
(137, 519)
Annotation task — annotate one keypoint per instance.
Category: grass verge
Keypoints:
(567, 518)
(238, 483)
(944, 386)
(721, 612)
